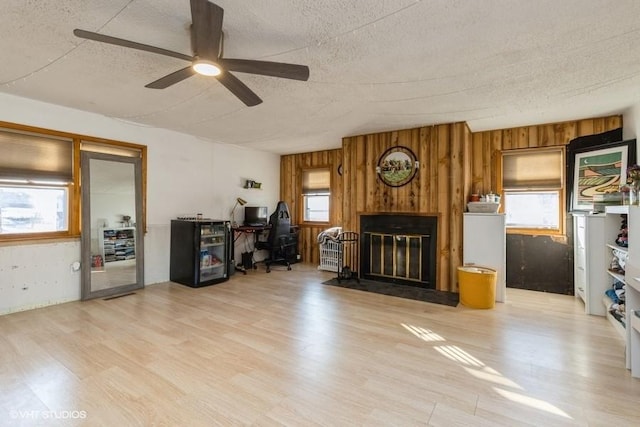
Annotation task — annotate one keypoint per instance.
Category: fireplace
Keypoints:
(399, 248)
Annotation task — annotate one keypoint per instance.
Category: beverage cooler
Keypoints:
(199, 252)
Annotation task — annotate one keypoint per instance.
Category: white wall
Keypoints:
(185, 175)
(38, 275)
(631, 122)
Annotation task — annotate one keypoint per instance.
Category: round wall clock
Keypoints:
(397, 166)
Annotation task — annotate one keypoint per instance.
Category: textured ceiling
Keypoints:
(375, 65)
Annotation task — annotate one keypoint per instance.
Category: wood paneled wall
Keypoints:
(527, 253)
(453, 162)
(438, 188)
(291, 167)
(487, 145)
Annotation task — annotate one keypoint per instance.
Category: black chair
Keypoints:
(281, 243)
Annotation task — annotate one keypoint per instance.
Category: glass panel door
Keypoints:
(213, 254)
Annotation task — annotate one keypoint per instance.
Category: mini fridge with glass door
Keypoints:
(199, 252)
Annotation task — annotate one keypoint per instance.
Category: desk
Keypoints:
(250, 228)
(246, 231)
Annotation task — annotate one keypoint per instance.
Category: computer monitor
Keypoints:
(256, 216)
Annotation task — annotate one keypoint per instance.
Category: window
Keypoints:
(40, 180)
(533, 190)
(35, 176)
(25, 209)
(531, 209)
(316, 184)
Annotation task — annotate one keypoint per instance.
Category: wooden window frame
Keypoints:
(74, 188)
(303, 221)
(561, 231)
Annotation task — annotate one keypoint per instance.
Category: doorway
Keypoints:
(112, 234)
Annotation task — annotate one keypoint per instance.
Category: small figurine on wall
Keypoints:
(253, 184)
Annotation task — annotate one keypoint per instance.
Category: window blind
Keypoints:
(532, 169)
(38, 158)
(316, 181)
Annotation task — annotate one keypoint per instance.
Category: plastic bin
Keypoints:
(330, 254)
(477, 286)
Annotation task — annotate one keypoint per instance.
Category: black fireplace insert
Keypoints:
(399, 248)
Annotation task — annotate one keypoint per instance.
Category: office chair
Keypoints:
(281, 243)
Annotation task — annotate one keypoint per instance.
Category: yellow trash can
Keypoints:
(477, 286)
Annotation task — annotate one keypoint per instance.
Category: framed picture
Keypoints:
(397, 166)
(597, 170)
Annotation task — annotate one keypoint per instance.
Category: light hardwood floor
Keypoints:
(113, 274)
(283, 349)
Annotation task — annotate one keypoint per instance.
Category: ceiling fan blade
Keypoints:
(128, 43)
(266, 68)
(239, 89)
(206, 30)
(173, 78)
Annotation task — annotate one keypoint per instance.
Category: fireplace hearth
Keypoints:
(399, 248)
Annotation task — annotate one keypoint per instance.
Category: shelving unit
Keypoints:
(619, 327)
(594, 246)
(612, 229)
(632, 295)
(633, 316)
(117, 244)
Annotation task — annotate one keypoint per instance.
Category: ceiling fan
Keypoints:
(206, 43)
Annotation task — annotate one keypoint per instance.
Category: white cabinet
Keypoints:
(590, 259)
(117, 244)
(484, 244)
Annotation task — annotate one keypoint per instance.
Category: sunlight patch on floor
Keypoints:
(532, 402)
(422, 333)
(491, 375)
(455, 353)
(479, 370)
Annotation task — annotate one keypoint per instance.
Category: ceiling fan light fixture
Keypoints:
(206, 68)
(207, 40)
